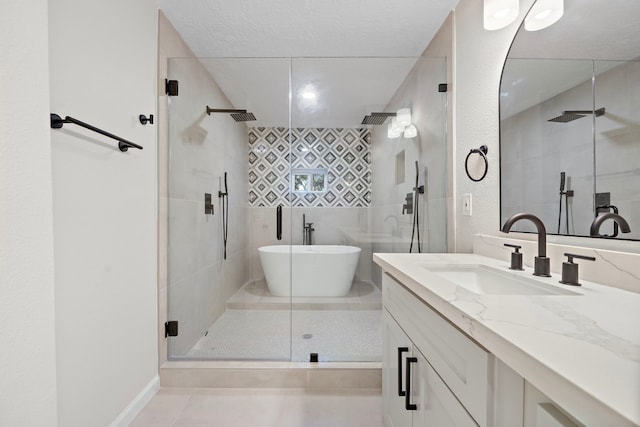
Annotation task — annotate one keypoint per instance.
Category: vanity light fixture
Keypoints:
(393, 132)
(403, 117)
(410, 131)
(401, 125)
(500, 13)
(543, 14)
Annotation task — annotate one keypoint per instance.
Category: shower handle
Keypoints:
(279, 222)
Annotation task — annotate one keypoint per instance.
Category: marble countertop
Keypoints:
(583, 351)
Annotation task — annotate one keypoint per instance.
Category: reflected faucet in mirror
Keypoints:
(597, 222)
(542, 264)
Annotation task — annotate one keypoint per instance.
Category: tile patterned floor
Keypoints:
(176, 407)
(336, 335)
(259, 326)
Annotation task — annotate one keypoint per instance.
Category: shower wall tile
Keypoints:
(345, 153)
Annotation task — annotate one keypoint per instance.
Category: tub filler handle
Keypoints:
(279, 222)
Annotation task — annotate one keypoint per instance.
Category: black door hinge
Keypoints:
(171, 328)
(442, 87)
(171, 87)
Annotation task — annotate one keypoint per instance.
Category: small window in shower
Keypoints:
(309, 180)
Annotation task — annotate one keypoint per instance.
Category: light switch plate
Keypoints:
(466, 204)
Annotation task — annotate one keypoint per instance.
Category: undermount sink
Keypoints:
(484, 280)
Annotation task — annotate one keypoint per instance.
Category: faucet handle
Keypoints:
(570, 269)
(516, 257)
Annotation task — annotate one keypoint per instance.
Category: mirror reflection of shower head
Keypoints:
(571, 115)
(238, 115)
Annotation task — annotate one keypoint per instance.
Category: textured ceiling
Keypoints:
(308, 31)
(286, 28)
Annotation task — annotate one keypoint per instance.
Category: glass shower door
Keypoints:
(344, 187)
(222, 190)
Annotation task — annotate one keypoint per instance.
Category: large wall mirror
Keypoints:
(570, 120)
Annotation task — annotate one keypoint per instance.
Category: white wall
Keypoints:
(102, 68)
(27, 336)
(479, 57)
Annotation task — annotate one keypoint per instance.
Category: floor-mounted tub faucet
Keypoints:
(597, 222)
(542, 264)
(307, 231)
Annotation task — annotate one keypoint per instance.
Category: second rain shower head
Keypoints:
(571, 115)
(238, 115)
(376, 118)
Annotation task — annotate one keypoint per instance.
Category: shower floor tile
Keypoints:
(336, 335)
(256, 296)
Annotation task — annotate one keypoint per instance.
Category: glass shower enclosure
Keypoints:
(280, 189)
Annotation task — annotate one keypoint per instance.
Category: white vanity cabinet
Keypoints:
(451, 381)
(414, 394)
(540, 411)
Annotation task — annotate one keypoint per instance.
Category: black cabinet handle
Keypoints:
(407, 398)
(279, 222)
(400, 351)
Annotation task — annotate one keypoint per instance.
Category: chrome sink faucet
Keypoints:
(542, 264)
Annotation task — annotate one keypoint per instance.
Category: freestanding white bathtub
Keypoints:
(309, 271)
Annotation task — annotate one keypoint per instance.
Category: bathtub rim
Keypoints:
(284, 249)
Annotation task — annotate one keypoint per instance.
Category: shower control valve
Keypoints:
(516, 257)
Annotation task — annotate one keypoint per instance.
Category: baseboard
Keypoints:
(132, 410)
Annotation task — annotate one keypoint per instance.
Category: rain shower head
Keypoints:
(571, 115)
(376, 118)
(238, 115)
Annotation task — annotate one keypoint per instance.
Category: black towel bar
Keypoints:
(123, 144)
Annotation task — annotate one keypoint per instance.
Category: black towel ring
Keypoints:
(483, 152)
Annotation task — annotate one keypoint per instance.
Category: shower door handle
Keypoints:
(279, 222)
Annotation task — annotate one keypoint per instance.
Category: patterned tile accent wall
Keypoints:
(345, 153)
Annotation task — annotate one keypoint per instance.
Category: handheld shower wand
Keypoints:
(225, 214)
(566, 194)
(417, 190)
(562, 182)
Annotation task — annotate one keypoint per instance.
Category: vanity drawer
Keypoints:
(461, 363)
